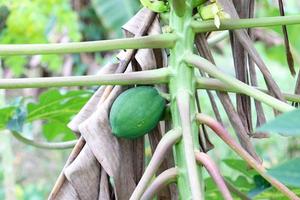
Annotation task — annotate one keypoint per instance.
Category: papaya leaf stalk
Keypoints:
(211, 69)
(167, 141)
(162, 180)
(213, 170)
(142, 77)
(225, 136)
(153, 41)
(231, 24)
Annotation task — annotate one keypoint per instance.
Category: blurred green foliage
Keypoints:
(46, 21)
(37, 21)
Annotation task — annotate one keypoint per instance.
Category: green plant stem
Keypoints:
(215, 84)
(44, 145)
(182, 106)
(230, 24)
(179, 7)
(167, 141)
(211, 69)
(162, 180)
(142, 77)
(225, 136)
(154, 41)
(212, 41)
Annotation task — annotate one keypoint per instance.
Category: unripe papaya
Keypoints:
(136, 111)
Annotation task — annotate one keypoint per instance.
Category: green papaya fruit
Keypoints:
(136, 111)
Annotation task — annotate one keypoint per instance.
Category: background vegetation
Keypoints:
(43, 114)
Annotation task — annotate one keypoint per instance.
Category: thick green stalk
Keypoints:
(143, 77)
(182, 90)
(230, 24)
(179, 7)
(211, 69)
(154, 41)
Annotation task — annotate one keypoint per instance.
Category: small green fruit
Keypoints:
(136, 112)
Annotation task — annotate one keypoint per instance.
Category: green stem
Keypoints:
(154, 41)
(162, 180)
(215, 84)
(230, 24)
(143, 77)
(182, 89)
(44, 145)
(179, 7)
(211, 69)
(212, 41)
(167, 141)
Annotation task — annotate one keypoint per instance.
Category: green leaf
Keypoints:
(286, 124)
(57, 130)
(288, 173)
(56, 109)
(57, 106)
(261, 185)
(240, 165)
(114, 13)
(6, 114)
(17, 121)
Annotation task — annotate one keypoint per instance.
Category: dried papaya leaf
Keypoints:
(144, 57)
(260, 115)
(104, 190)
(113, 154)
(289, 56)
(247, 43)
(89, 107)
(243, 102)
(84, 174)
(67, 191)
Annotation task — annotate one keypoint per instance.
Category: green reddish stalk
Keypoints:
(214, 172)
(225, 136)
